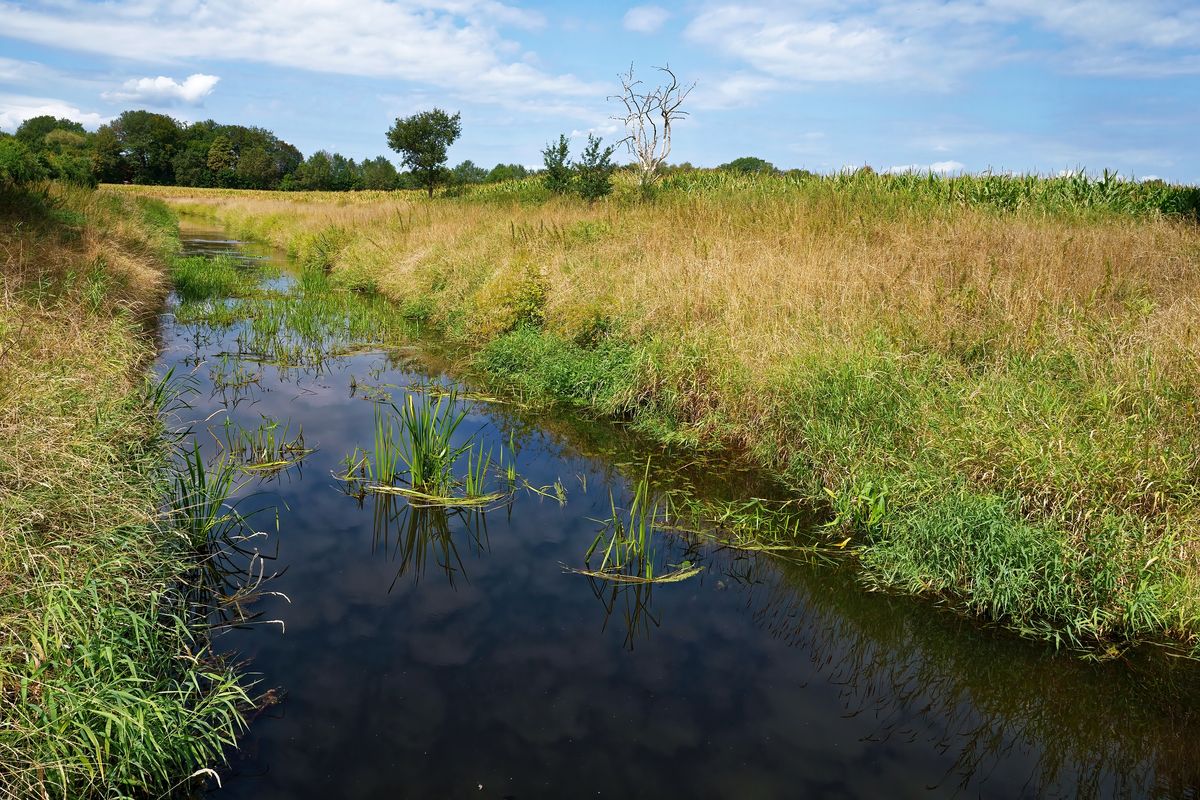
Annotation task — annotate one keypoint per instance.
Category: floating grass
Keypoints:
(414, 454)
(266, 449)
(625, 543)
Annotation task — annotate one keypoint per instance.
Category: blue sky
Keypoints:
(1022, 85)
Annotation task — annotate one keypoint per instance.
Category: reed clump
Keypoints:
(107, 685)
(416, 450)
(990, 382)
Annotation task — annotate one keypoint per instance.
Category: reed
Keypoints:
(625, 543)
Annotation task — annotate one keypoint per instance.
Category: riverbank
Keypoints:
(997, 403)
(107, 687)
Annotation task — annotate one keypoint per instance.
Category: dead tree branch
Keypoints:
(649, 114)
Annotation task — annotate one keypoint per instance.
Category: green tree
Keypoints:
(748, 165)
(256, 169)
(67, 156)
(148, 143)
(108, 162)
(18, 164)
(422, 141)
(379, 173)
(324, 172)
(467, 172)
(222, 160)
(507, 172)
(557, 176)
(33, 131)
(594, 170)
(190, 165)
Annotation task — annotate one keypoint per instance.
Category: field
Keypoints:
(989, 384)
(107, 687)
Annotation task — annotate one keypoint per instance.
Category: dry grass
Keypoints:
(764, 280)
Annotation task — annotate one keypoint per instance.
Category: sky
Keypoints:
(949, 86)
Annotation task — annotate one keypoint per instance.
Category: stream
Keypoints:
(443, 653)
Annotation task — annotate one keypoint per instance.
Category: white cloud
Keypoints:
(789, 45)
(937, 168)
(646, 19)
(934, 44)
(15, 109)
(23, 72)
(733, 91)
(1154, 24)
(162, 89)
(449, 44)
(601, 130)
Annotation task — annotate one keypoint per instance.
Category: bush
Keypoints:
(594, 170)
(557, 177)
(17, 164)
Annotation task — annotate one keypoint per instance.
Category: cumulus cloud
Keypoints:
(15, 109)
(162, 89)
(646, 19)
(451, 44)
(937, 168)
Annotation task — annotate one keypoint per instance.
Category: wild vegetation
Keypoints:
(989, 382)
(107, 684)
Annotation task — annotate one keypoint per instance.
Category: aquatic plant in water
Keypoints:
(267, 449)
(414, 454)
(626, 542)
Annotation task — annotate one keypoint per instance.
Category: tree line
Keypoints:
(148, 148)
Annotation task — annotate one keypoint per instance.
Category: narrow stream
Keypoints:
(427, 653)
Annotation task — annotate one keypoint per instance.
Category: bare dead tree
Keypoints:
(649, 115)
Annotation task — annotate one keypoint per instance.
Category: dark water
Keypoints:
(438, 655)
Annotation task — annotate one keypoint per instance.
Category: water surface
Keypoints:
(440, 655)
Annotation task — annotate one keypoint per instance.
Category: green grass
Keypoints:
(205, 278)
(264, 450)
(626, 544)
(109, 686)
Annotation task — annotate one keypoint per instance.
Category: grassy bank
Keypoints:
(992, 382)
(106, 689)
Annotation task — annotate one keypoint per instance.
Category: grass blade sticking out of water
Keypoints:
(414, 455)
(628, 542)
(427, 447)
(200, 499)
(266, 450)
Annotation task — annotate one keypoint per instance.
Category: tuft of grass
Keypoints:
(625, 543)
(207, 277)
(264, 450)
(414, 454)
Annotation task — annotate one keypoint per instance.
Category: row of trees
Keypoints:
(149, 148)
